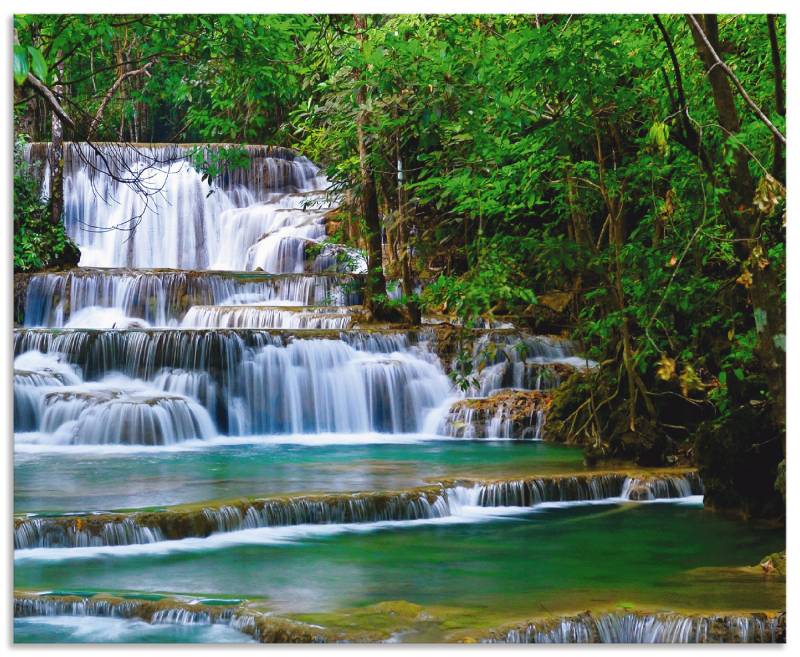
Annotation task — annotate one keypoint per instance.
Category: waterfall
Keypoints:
(156, 612)
(266, 317)
(163, 298)
(186, 352)
(504, 414)
(438, 501)
(262, 627)
(50, 398)
(257, 217)
(83, 532)
(204, 318)
(651, 628)
(167, 385)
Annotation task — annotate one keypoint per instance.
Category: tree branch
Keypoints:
(718, 62)
(50, 98)
(110, 93)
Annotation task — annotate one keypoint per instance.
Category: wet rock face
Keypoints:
(504, 414)
(639, 492)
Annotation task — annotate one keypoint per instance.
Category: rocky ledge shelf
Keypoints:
(434, 501)
(393, 621)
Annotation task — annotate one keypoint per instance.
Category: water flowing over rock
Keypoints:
(263, 382)
(150, 611)
(116, 411)
(169, 611)
(163, 298)
(523, 362)
(438, 501)
(503, 414)
(266, 317)
(651, 628)
(259, 216)
(612, 627)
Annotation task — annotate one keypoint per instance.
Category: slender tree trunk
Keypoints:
(778, 158)
(405, 249)
(375, 287)
(57, 153)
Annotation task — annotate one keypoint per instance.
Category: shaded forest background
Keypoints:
(624, 175)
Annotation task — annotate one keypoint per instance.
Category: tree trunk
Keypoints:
(778, 158)
(375, 286)
(405, 249)
(57, 153)
(765, 291)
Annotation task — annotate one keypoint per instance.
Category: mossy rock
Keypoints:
(774, 564)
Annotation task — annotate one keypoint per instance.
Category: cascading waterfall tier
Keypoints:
(270, 317)
(148, 206)
(635, 627)
(436, 501)
(249, 381)
(262, 627)
(98, 298)
(614, 627)
(507, 385)
(166, 610)
(505, 359)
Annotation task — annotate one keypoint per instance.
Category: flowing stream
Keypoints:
(199, 407)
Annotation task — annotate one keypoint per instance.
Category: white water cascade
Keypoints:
(192, 314)
(149, 207)
(166, 325)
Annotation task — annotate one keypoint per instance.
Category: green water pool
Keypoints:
(551, 560)
(70, 480)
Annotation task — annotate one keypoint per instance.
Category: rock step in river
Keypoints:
(245, 617)
(218, 352)
(436, 501)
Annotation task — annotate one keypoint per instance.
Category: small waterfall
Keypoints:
(530, 492)
(26, 607)
(261, 627)
(334, 510)
(662, 487)
(651, 628)
(504, 414)
(83, 531)
(116, 411)
(184, 616)
(35, 372)
(438, 501)
(505, 395)
(162, 298)
(507, 360)
(267, 318)
(157, 612)
(311, 386)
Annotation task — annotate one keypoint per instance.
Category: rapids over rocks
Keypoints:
(202, 395)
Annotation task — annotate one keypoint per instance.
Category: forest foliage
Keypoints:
(609, 158)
